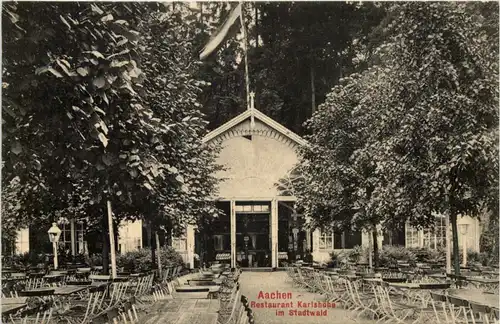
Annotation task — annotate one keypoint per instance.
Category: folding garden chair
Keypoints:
(229, 313)
(496, 315)
(459, 310)
(365, 302)
(392, 309)
(81, 311)
(337, 290)
(483, 312)
(37, 315)
(438, 303)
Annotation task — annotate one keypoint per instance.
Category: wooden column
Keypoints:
(274, 233)
(232, 219)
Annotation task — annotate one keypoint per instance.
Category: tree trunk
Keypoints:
(152, 244)
(105, 246)
(158, 255)
(313, 90)
(256, 4)
(454, 232)
(375, 248)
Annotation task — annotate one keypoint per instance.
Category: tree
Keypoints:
(82, 126)
(434, 121)
(416, 133)
(338, 171)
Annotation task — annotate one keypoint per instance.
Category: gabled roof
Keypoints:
(250, 114)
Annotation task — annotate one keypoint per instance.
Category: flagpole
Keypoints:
(245, 49)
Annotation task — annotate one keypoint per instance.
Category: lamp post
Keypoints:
(54, 235)
(463, 231)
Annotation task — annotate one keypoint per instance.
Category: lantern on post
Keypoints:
(54, 235)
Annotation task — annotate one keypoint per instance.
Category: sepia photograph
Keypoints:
(251, 162)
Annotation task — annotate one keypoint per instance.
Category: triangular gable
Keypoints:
(259, 116)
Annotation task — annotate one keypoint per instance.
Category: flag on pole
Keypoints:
(220, 34)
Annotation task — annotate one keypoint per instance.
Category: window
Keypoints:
(436, 237)
(440, 234)
(253, 207)
(326, 240)
(65, 239)
(432, 238)
(411, 236)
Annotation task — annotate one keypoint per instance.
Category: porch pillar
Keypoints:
(380, 236)
(189, 245)
(73, 237)
(274, 233)
(315, 245)
(308, 240)
(232, 220)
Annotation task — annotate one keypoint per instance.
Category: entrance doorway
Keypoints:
(253, 235)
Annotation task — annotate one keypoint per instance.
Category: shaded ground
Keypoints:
(252, 283)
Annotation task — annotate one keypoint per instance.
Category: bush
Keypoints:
(94, 260)
(357, 254)
(24, 260)
(338, 259)
(428, 255)
(390, 254)
(140, 260)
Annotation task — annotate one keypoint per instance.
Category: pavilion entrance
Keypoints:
(253, 234)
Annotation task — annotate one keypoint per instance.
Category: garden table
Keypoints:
(78, 283)
(54, 279)
(38, 292)
(488, 284)
(65, 294)
(53, 276)
(476, 297)
(14, 300)
(210, 289)
(12, 308)
(394, 279)
(207, 273)
(203, 282)
(419, 291)
(70, 290)
(437, 276)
